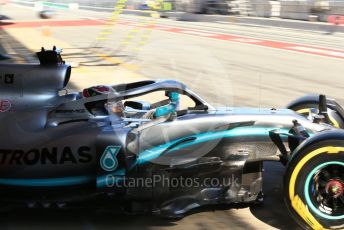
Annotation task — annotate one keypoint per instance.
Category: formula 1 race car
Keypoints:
(157, 147)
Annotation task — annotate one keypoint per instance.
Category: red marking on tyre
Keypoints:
(5, 106)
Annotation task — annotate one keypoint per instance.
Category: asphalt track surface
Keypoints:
(228, 64)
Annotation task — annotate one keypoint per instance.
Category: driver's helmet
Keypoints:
(97, 90)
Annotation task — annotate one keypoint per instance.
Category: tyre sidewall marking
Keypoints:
(332, 119)
(297, 203)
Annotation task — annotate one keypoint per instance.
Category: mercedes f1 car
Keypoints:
(113, 146)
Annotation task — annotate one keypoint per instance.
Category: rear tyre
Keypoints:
(314, 185)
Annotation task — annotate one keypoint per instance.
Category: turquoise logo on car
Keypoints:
(109, 161)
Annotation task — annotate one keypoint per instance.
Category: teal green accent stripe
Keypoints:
(102, 183)
(57, 182)
(143, 157)
(51, 182)
(102, 180)
(155, 152)
(306, 191)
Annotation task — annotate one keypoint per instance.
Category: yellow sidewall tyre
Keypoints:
(313, 180)
(335, 120)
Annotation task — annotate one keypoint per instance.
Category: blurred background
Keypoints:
(255, 53)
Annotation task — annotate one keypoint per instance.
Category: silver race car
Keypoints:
(157, 147)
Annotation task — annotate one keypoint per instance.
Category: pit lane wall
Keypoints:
(308, 10)
(97, 4)
(316, 10)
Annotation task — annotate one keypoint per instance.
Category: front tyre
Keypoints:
(304, 110)
(309, 104)
(314, 186)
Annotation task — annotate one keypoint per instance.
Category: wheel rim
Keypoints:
(324, 190)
